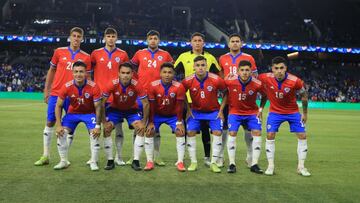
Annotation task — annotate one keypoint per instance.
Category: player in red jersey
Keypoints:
(125, 91)
(281, 88)
(242, 91)
(105, 62)
(166, 98)
(148, 62)
(204, 87)
(229, 64)
(59, 73)
(85, 106)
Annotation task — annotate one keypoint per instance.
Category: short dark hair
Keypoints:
(153, 33)
(278, 60)
(77, 29)
(167, 65)
(234, 35)
(110, 31)
(126, 64)
(197, 34)
(79, 63)
(244, 63)
(199, 58)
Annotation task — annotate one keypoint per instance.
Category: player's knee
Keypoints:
(50, 124)
(301, 136)
(256, 133)
(191, 133)
(178, 134)
(216, 132)
(271, 136)
(232, 133)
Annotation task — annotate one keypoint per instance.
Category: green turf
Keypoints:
(333, 159)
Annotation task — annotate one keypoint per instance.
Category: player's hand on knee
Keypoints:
(108, 127)
(303, 118)
(95, 132)
(60, 131)
(150, 129)
(46, 97)
(180, 129)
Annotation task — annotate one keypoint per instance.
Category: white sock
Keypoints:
(191, 144)
(216, 148)
(119, 140)
(47, 134)
(270, 152)
(69, 140)
(138, 146)
(149, 148)
(302, 152)
(157, 141)
(224, 137)
(62, 146)
(180, 148)
(256, 147)
(95, 148)
(248, 140)
(231, 146)
(108, 148)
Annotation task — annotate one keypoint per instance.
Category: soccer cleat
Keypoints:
(180, 167)
(256, 169)
(136, 165)
(149, 166)
(304, 172)
(110, 165)
(214, 168)
(232, 168)
(207, 161)
(269, 171)
(93, 166)
(61, 165)
(220, 162)
(192, 167)
(119, 162)
(42, 161)
(88, 162)
(159, 162)
(129, 162)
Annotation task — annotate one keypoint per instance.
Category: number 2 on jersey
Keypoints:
(151, 64)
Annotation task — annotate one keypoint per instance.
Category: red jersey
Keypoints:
(204, 93)
(81, 98)
(124, 96)
(242, 96)
(165, 98)
(63, 60)
(149, 64)
(282, 94)
(230, 63)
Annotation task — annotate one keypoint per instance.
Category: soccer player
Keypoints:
(166, 98)
(149, 61)
(184, 67)
(125, 91)
(105, 62)
(85, 106)
(59, 73)
(242, 90)
(281, 88)
(204, 87)
(229, 64)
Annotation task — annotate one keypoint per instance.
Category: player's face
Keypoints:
(79, 74)
(125, 74)
(197, 43)
(75, 39)
(110, 39)
(235, 44)
(279, 70)
(167, 75)
(153, 41)
(200, 68)
(244, 72)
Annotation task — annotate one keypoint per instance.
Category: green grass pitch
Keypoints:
(333, 160)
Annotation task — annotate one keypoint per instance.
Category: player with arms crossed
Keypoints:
(59, 73)
(204, 87)
(85, 106)
(281, 88)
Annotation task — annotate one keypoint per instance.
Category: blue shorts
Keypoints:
(116, 116)
(274, 121)
(249, 122)
(193, 124)
(139, 103)
(71, 120)
(169, 120)
(107, 105)
(51, 107)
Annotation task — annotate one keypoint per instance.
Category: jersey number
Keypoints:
(202, 94)
(279, 95)
(165, 102)
(242, 97)
(93, 120)
(69, 65)
(109, 65)
(123, 98)
(233, 70)
(151, 64)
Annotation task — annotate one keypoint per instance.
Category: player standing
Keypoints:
(281, 88)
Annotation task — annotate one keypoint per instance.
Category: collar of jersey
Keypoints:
(80, 88)
(166, 87)
(202, 81)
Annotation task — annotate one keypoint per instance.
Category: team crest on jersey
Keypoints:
(131, 93)
(172, 94)
(117, 59)
(287, 90)
(87, 95)
(251, 92)
(160, 58)
(209, 88)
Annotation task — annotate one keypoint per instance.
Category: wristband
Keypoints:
(178, 123)
(97, 126)
(260, 110)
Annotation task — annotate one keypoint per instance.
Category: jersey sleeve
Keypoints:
(221, 84)
(214, 65)
(178, 61)
(299, 84)
(185, 84)
(262, 77)
(181, 93)
(55, 59)
(107, 90)
(97, 93)
(126, 57)
(221, 63)
(169, 58)
(63, 92)
(141, 92)
(88, 63)
(253, 65)
(135, 59)
(93, 59)
(151, 94)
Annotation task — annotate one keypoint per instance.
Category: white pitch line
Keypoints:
(20, 105)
